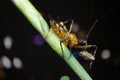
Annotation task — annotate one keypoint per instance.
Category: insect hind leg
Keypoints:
(62, 40)
(69, 46)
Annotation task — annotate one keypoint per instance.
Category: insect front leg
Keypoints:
(93, 55)
(94, 50)
(71, 26)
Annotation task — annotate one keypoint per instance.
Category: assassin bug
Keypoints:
(71, 40)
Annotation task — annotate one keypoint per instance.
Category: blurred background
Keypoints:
(24, 55)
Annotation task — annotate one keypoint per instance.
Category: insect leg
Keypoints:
(83, 47)
(61, 47)
(93, 55)
(70, 51)
(71, 26)
(62, 40)
(69, 46)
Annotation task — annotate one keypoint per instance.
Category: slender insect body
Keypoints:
(87, 56)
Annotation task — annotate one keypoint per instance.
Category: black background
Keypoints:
(41, 61)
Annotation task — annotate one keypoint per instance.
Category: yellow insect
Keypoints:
(71, 40)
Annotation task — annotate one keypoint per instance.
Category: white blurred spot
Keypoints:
(17, 63)
(65, 77)
(8, 42)
(6, 62)
(105, 54)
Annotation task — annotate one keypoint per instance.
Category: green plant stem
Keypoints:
(35, 18)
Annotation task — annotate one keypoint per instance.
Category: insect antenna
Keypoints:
(99, 18)
(93, 25)
(52, 18)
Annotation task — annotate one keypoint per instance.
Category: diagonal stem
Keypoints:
(34, 17)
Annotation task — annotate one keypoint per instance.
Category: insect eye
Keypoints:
(82, 42)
